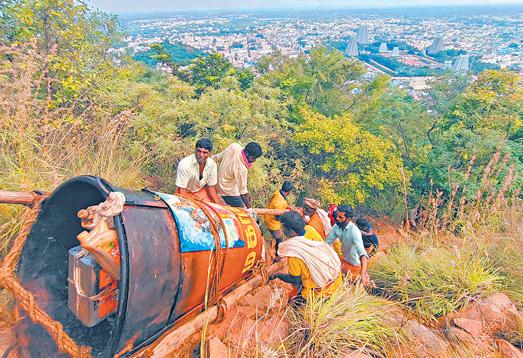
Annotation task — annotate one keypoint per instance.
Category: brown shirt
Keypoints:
(232, 171)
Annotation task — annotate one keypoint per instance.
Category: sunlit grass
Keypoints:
(434, 280)
(349, 320)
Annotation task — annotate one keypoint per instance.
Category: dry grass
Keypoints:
(349, 320)
(434, 279)
(42, 145)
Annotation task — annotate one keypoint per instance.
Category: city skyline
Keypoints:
(180, 5)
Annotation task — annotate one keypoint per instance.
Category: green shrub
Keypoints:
(436, 280)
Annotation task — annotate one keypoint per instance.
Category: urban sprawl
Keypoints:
(408, 48)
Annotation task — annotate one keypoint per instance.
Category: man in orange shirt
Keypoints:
(311, 208)
(319, 222)
(278, 201)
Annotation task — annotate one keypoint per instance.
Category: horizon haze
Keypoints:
(180, 5)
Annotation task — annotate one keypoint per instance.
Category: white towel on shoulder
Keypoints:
(319, 257)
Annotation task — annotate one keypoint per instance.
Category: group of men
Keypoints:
(320, 247)
(200, 176)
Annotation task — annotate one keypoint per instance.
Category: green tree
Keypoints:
(75, 40)
(487, 113)
(209, 71)
(347, 162)
(325, 80)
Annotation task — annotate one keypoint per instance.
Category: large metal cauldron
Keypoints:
(166, 247)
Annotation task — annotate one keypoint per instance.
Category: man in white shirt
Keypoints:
(234, 164)
(197, 174)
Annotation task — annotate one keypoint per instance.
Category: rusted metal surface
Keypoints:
(171, 340)
(165, 266)
(154, 272)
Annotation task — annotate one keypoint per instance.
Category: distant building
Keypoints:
(383, 48)
(461, 64)
(395, 51)
(363, 35)
(352, 48)
(436, 46)
(447, 65)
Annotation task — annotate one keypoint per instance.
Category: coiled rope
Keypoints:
(25, 299)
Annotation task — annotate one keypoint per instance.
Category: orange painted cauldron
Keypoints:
(168, 261)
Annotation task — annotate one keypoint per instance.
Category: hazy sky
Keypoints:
(173, 5)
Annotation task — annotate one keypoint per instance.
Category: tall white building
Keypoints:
(461, 64)
(363, 35)
(395, 51)
(352, 48)
(436, 46)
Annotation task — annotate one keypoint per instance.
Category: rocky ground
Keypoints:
(482, 329)
(257, 325)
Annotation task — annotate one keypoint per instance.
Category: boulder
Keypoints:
(426, 339)
(280, 293)
(232, 317)
(247, 312)
(272, 331)
(496, 313)
(480, 347)
(247, 300)
(507, 350)
(217, 349)
(241, 334)
(259, 302)
(473, 327)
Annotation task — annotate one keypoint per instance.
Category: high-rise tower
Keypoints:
(461, 64)
(383, 48)
(363, 35)
(395, 51)
(436, 46)
(352, 48)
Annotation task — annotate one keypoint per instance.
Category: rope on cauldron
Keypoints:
(214, 287)
(26, 300)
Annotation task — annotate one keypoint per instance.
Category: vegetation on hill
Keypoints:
(70, 106)
(381, 141)
(166, 51)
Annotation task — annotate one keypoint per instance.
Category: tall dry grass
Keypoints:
(467, 243)
(433, 279)
(475, 202)
(349, 320)
(42, 144)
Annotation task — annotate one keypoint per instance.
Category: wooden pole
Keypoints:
(14, 197)
(170, 341)
(261, 211)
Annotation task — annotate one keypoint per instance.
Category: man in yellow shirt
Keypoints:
(314, 267)
(278, 201)
(312, 234)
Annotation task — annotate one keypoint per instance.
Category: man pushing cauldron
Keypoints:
(197, 174)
